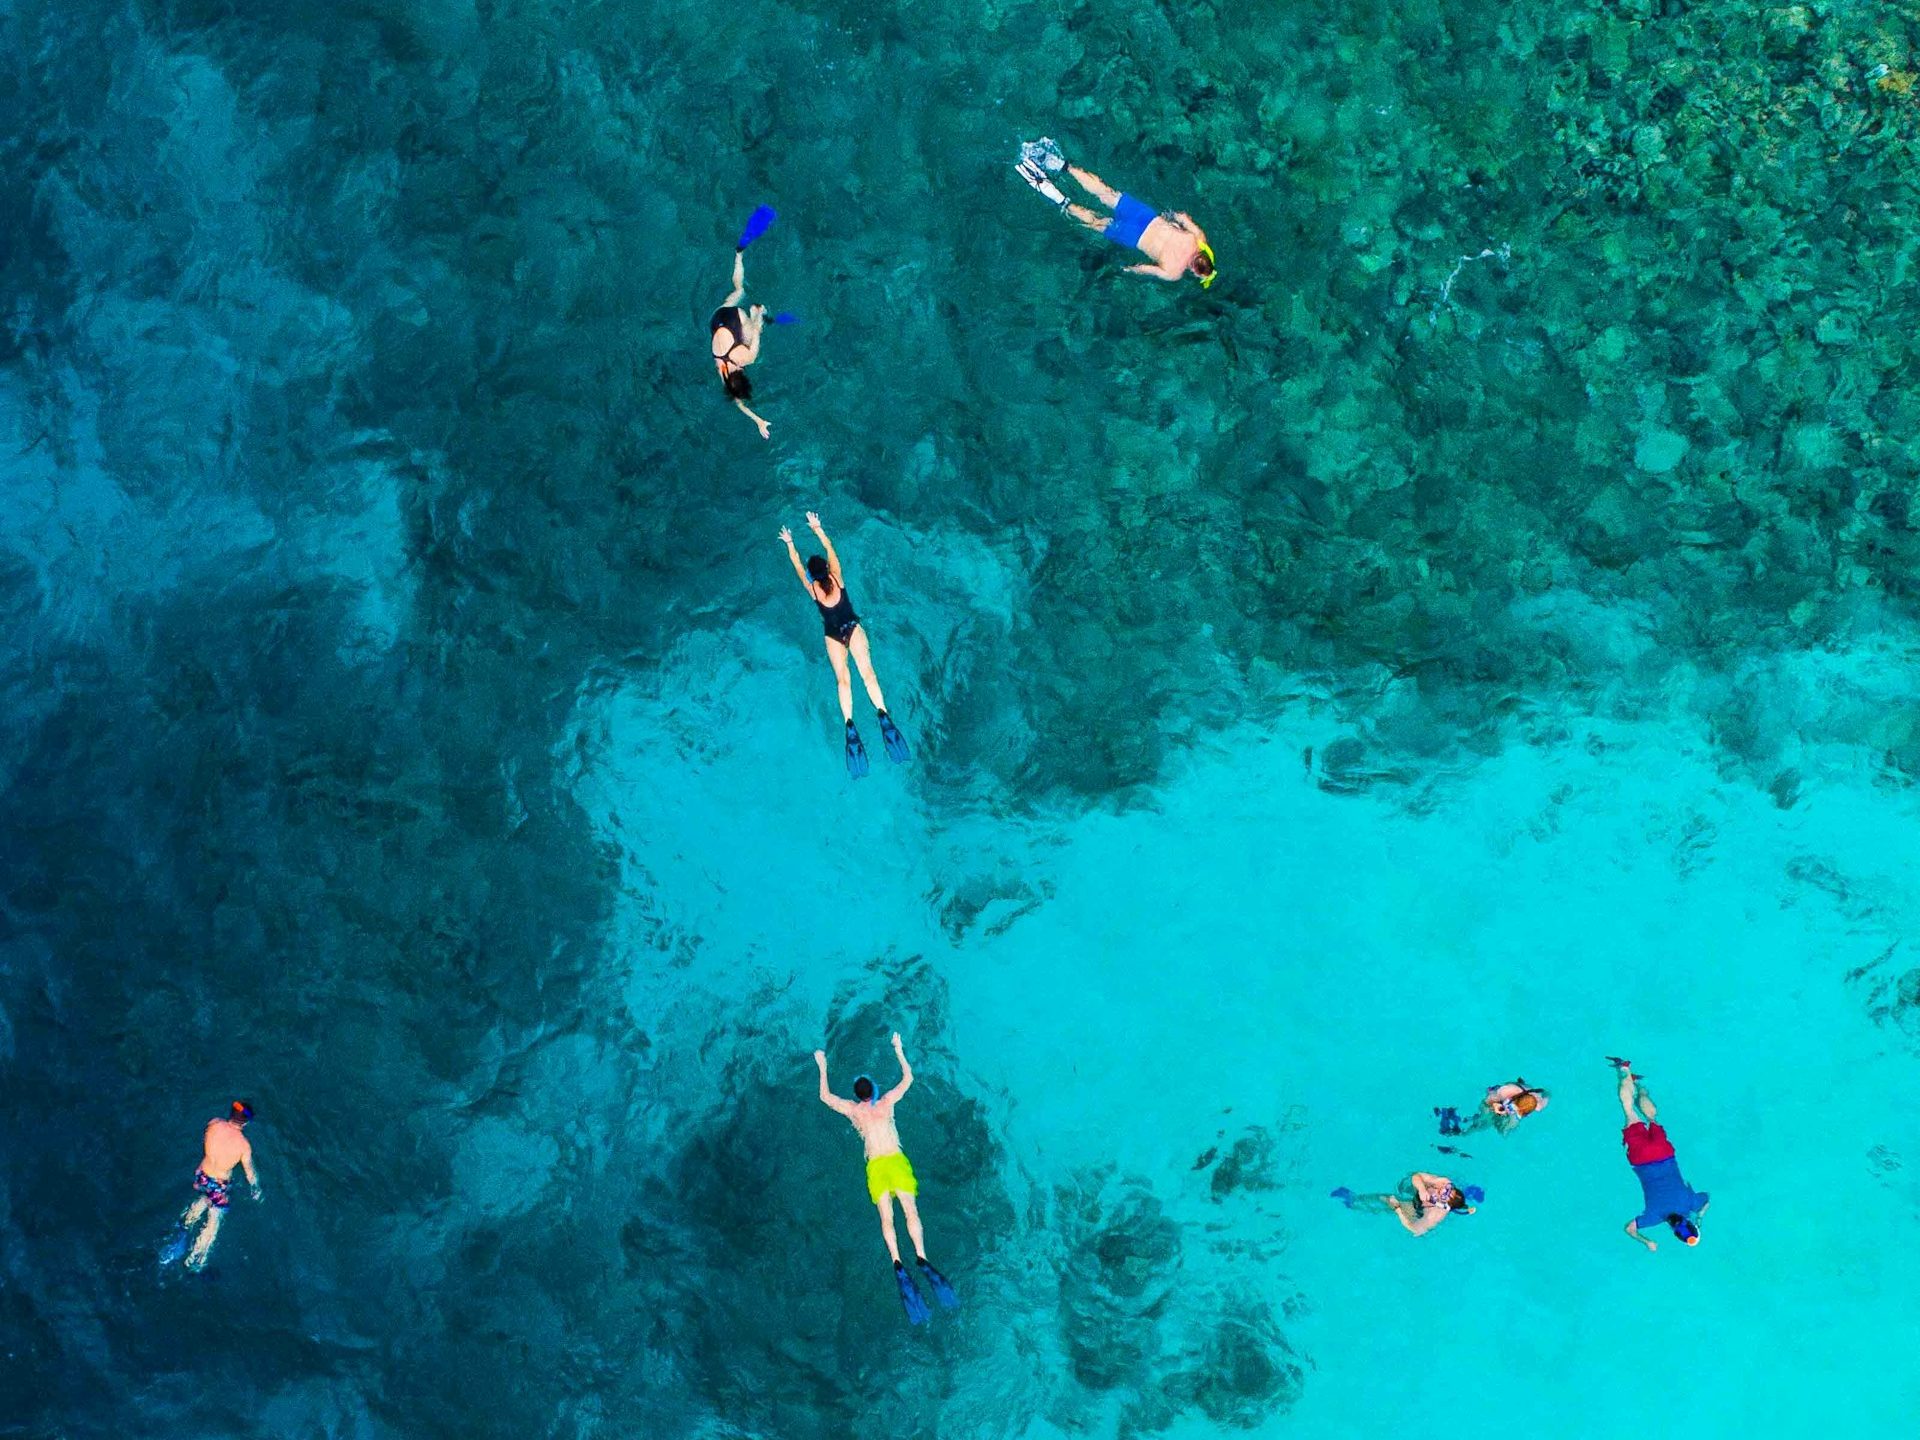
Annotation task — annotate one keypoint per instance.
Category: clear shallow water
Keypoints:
(1378, 676)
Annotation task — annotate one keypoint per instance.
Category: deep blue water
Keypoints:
(1475, 636)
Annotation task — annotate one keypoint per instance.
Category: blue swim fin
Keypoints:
(856, 752)
(1449, 1119)
(1344, 1196)
(786, 317)
(176, 1245)
(936, 1282)
(895, 742)
(757, 224)
(911, 1300)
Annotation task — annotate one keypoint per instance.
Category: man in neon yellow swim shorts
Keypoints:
(890, 1177)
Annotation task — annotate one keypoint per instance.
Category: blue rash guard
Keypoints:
(1666, 1192)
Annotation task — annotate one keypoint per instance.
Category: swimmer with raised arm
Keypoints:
(1666, 1197)
(845, 636)
(890, 1177)
(1171, 239)
(224, 1147)
(736, 342)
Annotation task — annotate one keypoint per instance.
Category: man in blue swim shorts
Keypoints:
(1171, 239)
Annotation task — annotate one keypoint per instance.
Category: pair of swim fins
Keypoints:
(890, 736)
(913, 1302)
(1040, 160)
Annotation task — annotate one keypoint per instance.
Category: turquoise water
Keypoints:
(1475, 636)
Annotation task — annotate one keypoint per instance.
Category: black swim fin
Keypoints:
(891, 737)
(911, 1300)
(1449, 1119)
(856, 752)
(936, 1282)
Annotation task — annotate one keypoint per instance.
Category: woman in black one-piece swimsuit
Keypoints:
(736, 343)
(845, 636)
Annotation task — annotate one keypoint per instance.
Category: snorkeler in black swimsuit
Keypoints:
(845, 636)
(838, 617)
(741, 345)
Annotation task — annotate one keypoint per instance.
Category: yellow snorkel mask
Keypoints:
(1213, 270)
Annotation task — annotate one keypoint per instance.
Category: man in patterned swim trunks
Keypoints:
(225, 1146)
(889, 1175)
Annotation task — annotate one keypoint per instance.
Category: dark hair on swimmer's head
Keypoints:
(1457, 1199)
(818, 569)
(1202, 265)
(242, 1111)
(863, 1089)
(738, 386)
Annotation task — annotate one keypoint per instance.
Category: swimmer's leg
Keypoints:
(1096, 223)
(863, 657)
(1095, 186)
(885, 1205)
(837, 653)
(1627, 1094)
(198, 1257)
(1371, 1204)
(914, 1232)
(190, 1216)
(1646, 1102)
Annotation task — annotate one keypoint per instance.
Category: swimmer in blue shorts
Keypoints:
(1171, 239)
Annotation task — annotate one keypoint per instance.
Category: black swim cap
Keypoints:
(863, 1089)
(738, 386)
(818, 568)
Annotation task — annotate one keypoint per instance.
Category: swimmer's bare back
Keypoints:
(226, 1147)
(878, 1133)
(1171, 244)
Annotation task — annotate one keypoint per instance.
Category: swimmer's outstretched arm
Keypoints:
(806, 585)
(766, 430)
(827, 1097)
(1159, 272)
(1190, 225)
(906, 1070)
(739, 279)
(833, 562)
(253, 1176)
